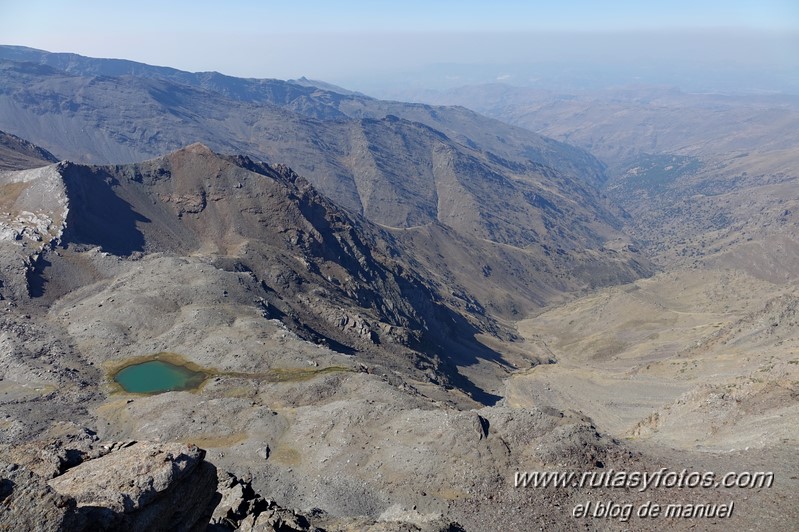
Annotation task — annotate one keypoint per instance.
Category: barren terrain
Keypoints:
(433, 303)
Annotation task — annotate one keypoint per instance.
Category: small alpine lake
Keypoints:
(158, 376)
(171, 372)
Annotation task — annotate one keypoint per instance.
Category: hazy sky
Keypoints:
(356, 42)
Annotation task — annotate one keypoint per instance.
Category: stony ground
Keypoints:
(357, 442)
(693, 369)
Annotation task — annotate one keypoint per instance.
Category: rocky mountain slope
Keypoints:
(19, 154)
(78, 482)
(334, 278)
(423, 171)
(326, 102)
(708, 179)
(346, 362)
(337, 370)
(619, 125)
(701, 357)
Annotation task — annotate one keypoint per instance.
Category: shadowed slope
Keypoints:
(484, 180)
(19, 154)
(331, 277)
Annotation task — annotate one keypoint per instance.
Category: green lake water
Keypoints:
(157, 376)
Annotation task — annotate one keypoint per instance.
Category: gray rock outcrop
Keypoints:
(28, 503)
(138, 487)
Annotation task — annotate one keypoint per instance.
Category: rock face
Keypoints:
(150, 487)
(147, 486)
(28, 503)
(143, 486)
(33, 207)
(19, 154)
(240, 508)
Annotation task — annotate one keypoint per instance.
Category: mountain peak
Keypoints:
(198, 148)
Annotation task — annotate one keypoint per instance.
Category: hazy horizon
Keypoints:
(726, 46)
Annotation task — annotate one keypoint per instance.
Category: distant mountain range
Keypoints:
(529, 203)
(706, 178)
(393, 306)
(619, 124)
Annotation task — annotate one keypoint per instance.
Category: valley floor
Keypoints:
(699, 367)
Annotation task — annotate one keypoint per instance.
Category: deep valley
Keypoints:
(377, 313)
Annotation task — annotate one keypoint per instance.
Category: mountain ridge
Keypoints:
(19, 154)
(398, 172)
(391, 375)
(306, 99)
(331, 278)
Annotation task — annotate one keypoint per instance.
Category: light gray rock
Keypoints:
(147, 486)
(233, 501)
(28, 503)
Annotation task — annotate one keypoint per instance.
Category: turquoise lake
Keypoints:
(157, 376)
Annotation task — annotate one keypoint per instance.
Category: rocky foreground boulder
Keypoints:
(147, 486)
(142, 486)
(28, 503)
(78, 483)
